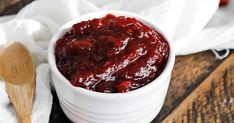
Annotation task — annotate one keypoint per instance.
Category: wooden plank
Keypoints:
(212, 100)
(189, 71)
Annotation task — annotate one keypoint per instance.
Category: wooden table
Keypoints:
(201, 88)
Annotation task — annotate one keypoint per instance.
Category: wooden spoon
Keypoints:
(18, 72)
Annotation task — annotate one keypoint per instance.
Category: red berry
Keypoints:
(124, 86)
(223, 2)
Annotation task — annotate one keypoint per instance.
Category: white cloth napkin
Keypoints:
(188, 24)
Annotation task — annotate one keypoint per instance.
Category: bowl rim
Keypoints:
(134, 93)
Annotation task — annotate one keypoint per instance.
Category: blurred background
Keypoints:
(12, 6)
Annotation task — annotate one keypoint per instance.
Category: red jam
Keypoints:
(111, 54)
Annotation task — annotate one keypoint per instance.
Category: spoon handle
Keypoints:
(24, 118)
(21, 96)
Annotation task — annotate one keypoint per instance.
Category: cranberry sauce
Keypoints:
(111, 54)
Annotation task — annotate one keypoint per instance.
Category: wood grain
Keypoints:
(22, 98)
(189, 71)
(211, 101)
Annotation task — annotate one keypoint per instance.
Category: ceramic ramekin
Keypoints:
(85, 106)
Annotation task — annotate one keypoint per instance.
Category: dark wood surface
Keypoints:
(212, 100)
(201, 88)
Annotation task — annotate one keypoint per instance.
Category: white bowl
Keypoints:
(85, 106)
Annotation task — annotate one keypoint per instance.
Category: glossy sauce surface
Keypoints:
(111, 54)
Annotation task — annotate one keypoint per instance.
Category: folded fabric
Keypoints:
(187, 23)
(217, 34)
